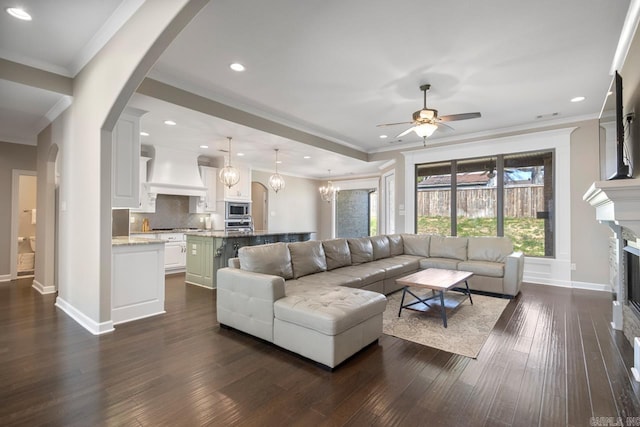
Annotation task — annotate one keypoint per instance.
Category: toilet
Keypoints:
(32, 243)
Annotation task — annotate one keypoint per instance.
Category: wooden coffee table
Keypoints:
(438, 280)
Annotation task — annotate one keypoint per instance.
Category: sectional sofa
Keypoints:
(325, 299)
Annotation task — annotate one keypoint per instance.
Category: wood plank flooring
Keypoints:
(551, 360)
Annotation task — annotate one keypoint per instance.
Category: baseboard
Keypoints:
(44, 290)
(571, 284)
(89, 324)
(5, 277)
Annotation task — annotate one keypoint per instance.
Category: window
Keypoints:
(507, 195)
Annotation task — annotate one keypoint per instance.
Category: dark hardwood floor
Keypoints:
(552, 359)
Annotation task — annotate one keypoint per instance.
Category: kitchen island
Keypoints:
(209, 251)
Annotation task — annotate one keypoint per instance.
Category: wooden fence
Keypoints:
(519, 202)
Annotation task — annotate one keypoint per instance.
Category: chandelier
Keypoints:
(229, 175)
(328, 192)
(276, 181)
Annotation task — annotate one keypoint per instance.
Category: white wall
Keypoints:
(296, 208)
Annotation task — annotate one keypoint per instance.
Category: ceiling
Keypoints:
(334, 69)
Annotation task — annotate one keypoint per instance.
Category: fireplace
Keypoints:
(632, 255)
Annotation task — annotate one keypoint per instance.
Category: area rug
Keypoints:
(468, 326)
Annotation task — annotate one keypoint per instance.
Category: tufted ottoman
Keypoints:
(328, 324)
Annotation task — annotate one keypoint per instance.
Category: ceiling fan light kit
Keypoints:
(229, 176)
(426, 121)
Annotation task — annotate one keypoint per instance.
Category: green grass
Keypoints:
(527, 234)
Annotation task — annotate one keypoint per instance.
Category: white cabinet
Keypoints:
(241, 192)
(207, 204)
(175, 251)
(147, 204)
(125, 167)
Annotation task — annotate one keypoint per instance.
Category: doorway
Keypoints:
(23, 223)
(259, 206)
(356, 213)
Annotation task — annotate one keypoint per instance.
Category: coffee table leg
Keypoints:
(404, 290)
(442, 308)
(468, 291)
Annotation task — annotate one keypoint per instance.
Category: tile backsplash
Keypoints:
(171, 212)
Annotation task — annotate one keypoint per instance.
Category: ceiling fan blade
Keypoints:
(406, 132)
(454, 117)
(443, 126)
(393, 124)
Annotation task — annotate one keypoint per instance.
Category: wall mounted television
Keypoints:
(613, 151)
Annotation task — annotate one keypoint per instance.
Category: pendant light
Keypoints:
(229, 175)
(276, 181)
(328, 192)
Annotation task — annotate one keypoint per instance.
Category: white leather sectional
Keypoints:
(324, 299)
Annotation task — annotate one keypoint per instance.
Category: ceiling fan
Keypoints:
(426, 120)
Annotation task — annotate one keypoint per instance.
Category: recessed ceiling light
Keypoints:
(204, 146)
(240, 154)
(143, 133)
(307, 157)
(236, 66)
(578, 99)
(16, 12)
(279, 161)
(383, 136)
(170, 123)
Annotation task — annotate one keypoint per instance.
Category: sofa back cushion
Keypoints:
(361, 250)
(381, 247)
(271, 259)
(337, 253)
(395, 244)
(307, 258)
(448, 247)
(494, 249)
(416, 244)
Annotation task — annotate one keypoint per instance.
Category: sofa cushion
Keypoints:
(494, 249)
(446, 263)
(307, 258)
(330, 311)
(396, 246)
(331, 278)
(483, 268)
(381, 248)
(448, 247)
(361, 250)
(416, 244)
(271, 259)
(366, 272)
(337, 253)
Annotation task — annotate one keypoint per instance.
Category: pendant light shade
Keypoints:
(229, 175)
(276, 181)
(328, 192)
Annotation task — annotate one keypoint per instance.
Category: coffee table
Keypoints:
(439, 281)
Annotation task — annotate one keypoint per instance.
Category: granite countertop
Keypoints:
(175, 230)
(127, 240)
(255, 233)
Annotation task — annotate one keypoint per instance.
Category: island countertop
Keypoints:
(128, 241)
(235, 234)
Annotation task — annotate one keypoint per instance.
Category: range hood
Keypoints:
(175, 172)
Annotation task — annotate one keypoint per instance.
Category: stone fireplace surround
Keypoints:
(617, 204)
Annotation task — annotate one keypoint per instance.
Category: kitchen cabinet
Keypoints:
(125, 166)
(147, 204)
(207, 204)
(200, 260)
(241, 192)
(175, 251)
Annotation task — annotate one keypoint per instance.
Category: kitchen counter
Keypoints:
(129, 241)
(237, 234)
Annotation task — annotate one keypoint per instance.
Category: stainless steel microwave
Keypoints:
(237, 210)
